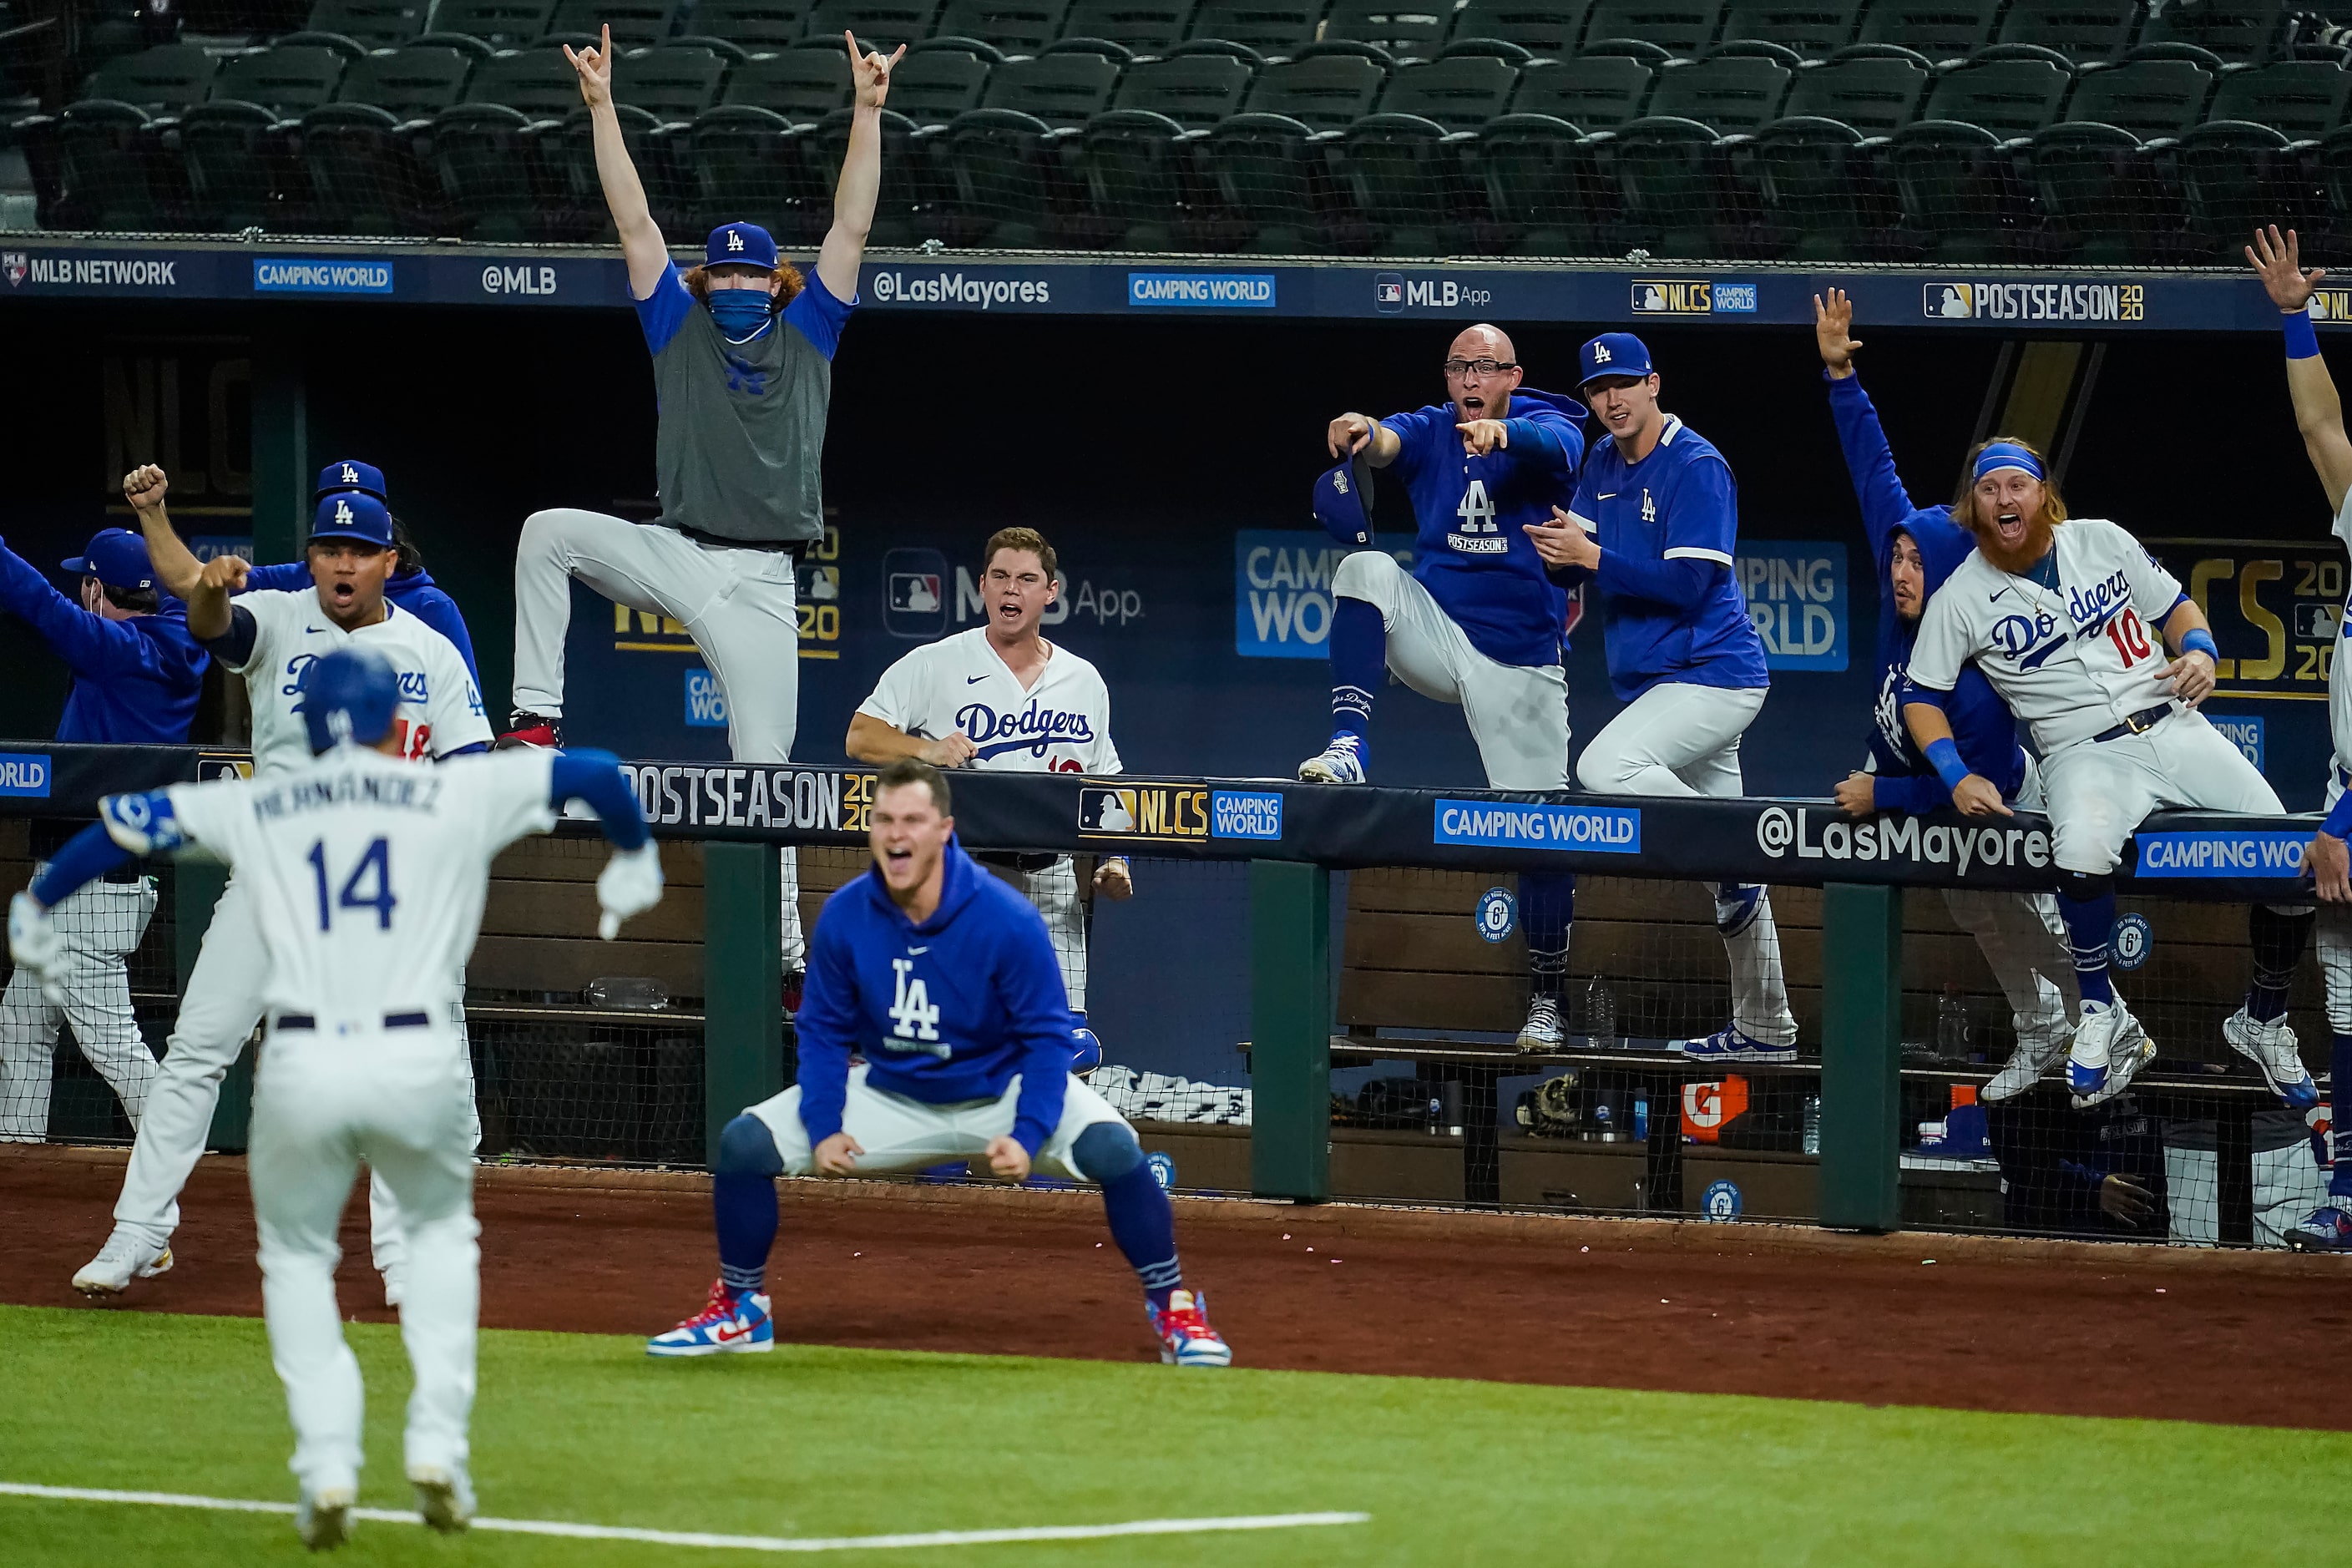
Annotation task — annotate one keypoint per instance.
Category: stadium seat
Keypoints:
(1409, 163)
(95, 164)
(1674, 173)
(237, 147)
(1807, 29)
(2086, 31)
(2102, 173)
(1274, 161)
(2236, 32)
(635, 24)
(881, 25)
(657, 93)
(1145, 29)
(2259, 156)
(2301, 100)
(1956, 168)
(1405, 29)
(1276, 29)
(363, 152)
(1544, 29)
(1140, 157)
(1941, 30)
(1015, 27)
(1818, 167)
(485, 149)
(373, 24)
(1543, 164)
(1014, 158)
(501, 23)
(748, 155)
(759, 26)
(1598, 92)
(1725, 93)
(1682, 28)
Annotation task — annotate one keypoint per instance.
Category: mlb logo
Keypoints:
(1387, 292)
(12, 263)
(1948, 301)
(915, 594)
(1106, 811)
(1574, 616)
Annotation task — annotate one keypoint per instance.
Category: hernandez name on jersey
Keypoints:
(1061, 724)
(440, 711)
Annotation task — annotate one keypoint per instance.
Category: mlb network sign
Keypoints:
(1797, 598)
(2034, 301)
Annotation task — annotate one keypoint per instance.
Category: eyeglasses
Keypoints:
(1461, 367)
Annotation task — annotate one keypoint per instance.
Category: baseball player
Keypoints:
(2058, 614)
(742, 355)
(1477, 621)
(2319, 414)
(269, 637)
(1655, 522)
(943, 980)
(366, 874)
(1917, 549)
(1001, 696)
(137, 677)
(411, 587)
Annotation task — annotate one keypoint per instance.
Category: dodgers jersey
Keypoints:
(1470, 549)
(2071, 660)
(440, 710)
(2339, 683)
(1062, 724)
(366, 874)
(1679, 503)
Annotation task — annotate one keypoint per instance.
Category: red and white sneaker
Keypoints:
(534, 729)
(1186, 1337)
(728, 1323)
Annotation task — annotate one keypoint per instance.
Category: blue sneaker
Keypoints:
(728, 1323)
(1085, 1047)
(2325, 1229)
(2109, 1049)
(1732, 1043)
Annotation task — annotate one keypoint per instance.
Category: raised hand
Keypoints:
(871, 72)
(226, 573)
(1832, 332)
(1347, 435)
(2278, 263)
(595, 67)
(144, 486)
(1480, 436)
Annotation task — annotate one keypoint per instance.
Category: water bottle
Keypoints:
(1601, 1015)
(1952, 1026)
(1641, 1116)
(625, 993)
(1812, 1124)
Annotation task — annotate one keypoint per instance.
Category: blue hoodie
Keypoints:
(1982, 726)
(953, 1009)
(415, 591)
(136, 683)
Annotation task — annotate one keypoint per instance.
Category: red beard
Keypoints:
(2020, 559)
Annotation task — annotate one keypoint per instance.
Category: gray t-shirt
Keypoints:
(739, 451)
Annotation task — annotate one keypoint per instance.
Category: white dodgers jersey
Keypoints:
(2071, 660)
(1062, 724)
(440, 711)
(2339, 681)
(366, 873)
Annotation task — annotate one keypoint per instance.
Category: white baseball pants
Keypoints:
(902, 1134)
(101, 924)
(2100, 791)
(2024, 943)
(1055, 890)
(398, 1099)
(1517, 713)
(739, 605)
(2333, 934)
(1683, 740)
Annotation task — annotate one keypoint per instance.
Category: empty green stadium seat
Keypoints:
(1810, 29)
(1014, 158)
(364, 153)
(374, 24)
(1403, 29)
(1938, 30)
(748, 156)
(1275, 28)
(759, 26)
(1013, 26)
(1141, 158)
(1546, 29)
(1409, 163)
(2238, 32)
(236, 149)
(1682, 28)
(2085, 31)
(1274, 162)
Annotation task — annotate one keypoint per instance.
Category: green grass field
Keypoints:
(818, 1442)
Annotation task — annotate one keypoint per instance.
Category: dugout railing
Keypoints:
(1346, 1019)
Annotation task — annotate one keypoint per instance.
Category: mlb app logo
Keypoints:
(1388, 292)
(915, 594)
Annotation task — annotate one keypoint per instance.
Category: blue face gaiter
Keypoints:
(738, 311)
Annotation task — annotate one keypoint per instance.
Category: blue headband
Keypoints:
(2007, 455)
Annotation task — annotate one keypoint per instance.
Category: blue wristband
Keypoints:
(2338, 825)
(2302, 338)
(2197, 640)
(1946, 757)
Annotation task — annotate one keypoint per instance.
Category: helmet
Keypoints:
(350, 695)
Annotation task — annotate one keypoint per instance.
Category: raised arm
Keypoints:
(1868, 457)
(861, 174)
(641, 238)
(880, 742)
(206, 585)
(2319, 409)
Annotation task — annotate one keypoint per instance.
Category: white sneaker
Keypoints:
(2109, 1049)
(444, 1496)
(1342, 761)
(395, 1285)
(2024, 1068)
(1542, 1031)
(123, 1260)
(2271, 1048)
(323, 1518)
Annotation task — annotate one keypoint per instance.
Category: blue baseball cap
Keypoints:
(1343, 501)
(352, 514)
(739, 245)
(1613, 354)
(350, 474)
(116, 557)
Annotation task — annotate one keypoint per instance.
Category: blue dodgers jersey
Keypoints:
(1470, 549)
(1678, 503)
(952, 1010)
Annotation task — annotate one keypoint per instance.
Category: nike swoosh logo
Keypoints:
(914, 951)
(317, 630)
(973, 680)
(1606, 495)
(726, 1336)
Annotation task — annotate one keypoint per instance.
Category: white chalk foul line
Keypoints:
(727, 1542)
